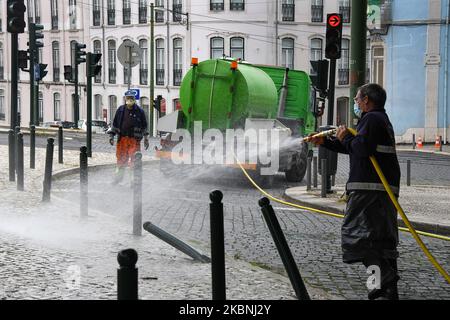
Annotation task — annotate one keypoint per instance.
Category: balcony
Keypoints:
(54, 22)
(37, 19)
(2, 116)
(316, 13)
(177, 77)
(345, 11)
(111, 17)
(126, 16)
(112, 75)
(159, 15)
(2, 73)
(177, 10)
(288, 12)
(143, 76)
(160, 77)
(56, 75)
(214, 6)
(343, 76)
(98, 78)
(237, 6)
(96, 17)
(142, 15)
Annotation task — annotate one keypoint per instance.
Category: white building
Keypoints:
(246, 29)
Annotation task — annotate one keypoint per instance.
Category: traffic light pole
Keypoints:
(14, 90)
(358, 51)
(89, 105)
(76, 104)
(331, 86)
(152, 69)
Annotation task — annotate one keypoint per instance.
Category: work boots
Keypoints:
(389, 279)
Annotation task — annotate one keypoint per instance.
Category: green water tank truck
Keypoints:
(224, 94)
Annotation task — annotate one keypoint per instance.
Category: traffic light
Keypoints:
(333, 36)
(93, 68)
(68, 73)
(34, 44)
(79, 53)
(157, 104)
(40, 71)
(16, 16)
(319, 75)
(23, 59)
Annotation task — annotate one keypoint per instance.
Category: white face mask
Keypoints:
(357, 110)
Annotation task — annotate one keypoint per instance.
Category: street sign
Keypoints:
(129, 54)
(136, 93)
(334, 20)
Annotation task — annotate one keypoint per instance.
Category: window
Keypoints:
(159, 14)
(287, 53)
(112, 61)
(237, 48)
(111, 12)
(343, 63)
(112, 108)
(342, 111)
(378, 65)
(316, 10)
(40, 107)
(316, 49)
(145, 105)
(142, 11)
(30, 10)
(98, 107)
(96, 13)
(57, 106)
(177, 10)
(177, 104)
(288, 10)
(143, 69)
(73, 14)
(1, 16)
(177, 61)
(237, 5)
(217, 48)
(98, 49)
(2, 104)
(160, 62)
(73, 43)
(368, 60)
(2, 63)
(56, 61)
(127, 75)
(37, 11)
(19, 102)
(344, 9)
(54, 12)
(216, 5)
(126, 12)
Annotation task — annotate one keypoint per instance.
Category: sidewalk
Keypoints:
(425, 206)
(47, 252)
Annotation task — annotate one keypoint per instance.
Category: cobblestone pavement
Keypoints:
(180, 206)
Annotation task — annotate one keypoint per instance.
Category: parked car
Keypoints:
(51, 124)
(98, 126)
(68, 124)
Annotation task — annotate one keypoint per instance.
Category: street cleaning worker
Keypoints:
(130, 126)
(369, 229)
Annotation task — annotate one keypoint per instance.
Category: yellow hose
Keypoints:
(393, 199)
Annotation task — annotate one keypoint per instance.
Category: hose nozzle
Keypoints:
(325, 133)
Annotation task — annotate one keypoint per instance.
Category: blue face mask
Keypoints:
(357, 110)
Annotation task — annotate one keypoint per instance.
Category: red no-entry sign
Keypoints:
(334, 20)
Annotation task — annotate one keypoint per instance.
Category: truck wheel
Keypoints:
(297, 172)
(263, 181)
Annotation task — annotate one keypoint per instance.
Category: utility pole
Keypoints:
(92, 69)
(78, 59)
(152, 68)
(358, 52)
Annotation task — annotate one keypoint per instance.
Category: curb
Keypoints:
(439, 229)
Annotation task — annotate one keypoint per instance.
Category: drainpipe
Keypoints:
(276, 32)
(446, 72)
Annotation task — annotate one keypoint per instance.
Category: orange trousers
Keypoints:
(126, 148)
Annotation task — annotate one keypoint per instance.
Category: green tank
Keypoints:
(222, 97)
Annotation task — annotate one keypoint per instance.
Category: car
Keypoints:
(98, 126)
(51, 124)
(68, 124)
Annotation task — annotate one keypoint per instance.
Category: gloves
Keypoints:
(111, 141)
(146, 143)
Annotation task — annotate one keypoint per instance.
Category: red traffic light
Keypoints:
(334, 20)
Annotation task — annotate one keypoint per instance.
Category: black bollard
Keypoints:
(16, 137)
(217, 246)
(12, 164)
(84, 200)
(20, 161)
(333, 180)
(137, 195)
(308, 173)
(315, 172)
(60, 144)
(408, 172)
(283, 249)
(32, 146)
(440, 143)
(323, 193)
(127, 275)
(48, 170)
(414, 141)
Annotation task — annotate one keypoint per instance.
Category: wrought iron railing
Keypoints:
(143, 76)
(316, 13)
(111, 17)
(214, 6)
(343, 76)
(112, 75)
(177, 9)
(96, 17)
(345, 11)
(159, 15)
(177, 77)
(160, 77)
(237, 6)
(56, 74)
(54, 22)
(142, 14)
(126, 15)
(288, 12)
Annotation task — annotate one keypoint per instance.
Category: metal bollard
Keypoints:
(333, 180)
(323, 193)
(20, 161)
(127, 275)
(60, 144)
(137, 195)
(84, 200)
(217, 246)
(48, 170)
(315, 172)
(12, 164)
(32, 146)
(414, 141)
(16, 136)
(308, 174)
(440, 143)
(283, 249)
(408, 172)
